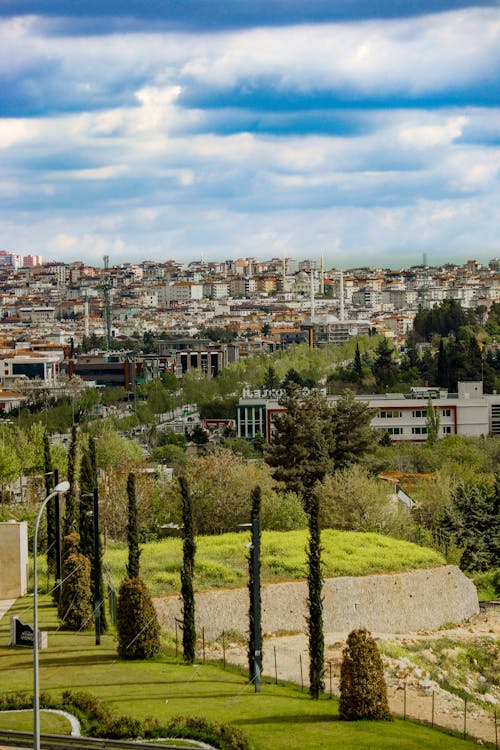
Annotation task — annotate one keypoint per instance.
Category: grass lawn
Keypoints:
(23, 722)
(280, 718)
(221, 560)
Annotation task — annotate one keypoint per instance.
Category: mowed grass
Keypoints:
(22, 721)
(281, 717)
(221, 561)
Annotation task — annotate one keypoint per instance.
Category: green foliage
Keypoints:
(136, 621)
(352, 499)
(432, 423)
(384, 367)
(316, 638)
(472, 522)
(71, 515)
(132, 530)
(443, 319)
(75, 606)
(187, 572)
(85, 526)
(351, 436)
(363, 692)
(51, 505)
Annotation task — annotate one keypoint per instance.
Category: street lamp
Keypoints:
(59, 488)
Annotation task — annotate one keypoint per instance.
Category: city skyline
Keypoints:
(251, 130)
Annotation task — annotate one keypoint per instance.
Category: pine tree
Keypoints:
(132, 530)
(255, 595)
(384, 368)
(51, 505)
(315, 602)
(187, 591)
(350, 433)
(363, 692)
(72, 510)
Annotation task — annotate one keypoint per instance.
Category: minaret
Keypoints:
(341, 293)
(283, 274)
(312, 295)
(322, 278)
(86, 314)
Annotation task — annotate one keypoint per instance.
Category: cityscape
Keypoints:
(250, 374)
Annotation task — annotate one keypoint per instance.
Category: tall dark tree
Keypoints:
(357, 366)
(384, 367)
(51, 505)
(315, 602)
(71, 515)
(85, 526)
(299, 451)
(187, 572)
(350, 432)
(443, 366)
(134, 552)
(254, 638)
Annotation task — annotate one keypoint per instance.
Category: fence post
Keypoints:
(404, 702)
(301, 674)
(330, 667)
(224, 648)
(432, 715)
(465, 718)
(176, 639)
(275, 668)
(496, 731)
(203, 643)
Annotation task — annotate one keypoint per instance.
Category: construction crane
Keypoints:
(106, 289)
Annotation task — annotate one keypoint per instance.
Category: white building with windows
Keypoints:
(404, 416)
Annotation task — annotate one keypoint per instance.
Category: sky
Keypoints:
(364, 132)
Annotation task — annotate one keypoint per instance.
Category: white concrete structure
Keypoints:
(13, 559)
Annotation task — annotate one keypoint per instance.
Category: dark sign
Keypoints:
(23, 633)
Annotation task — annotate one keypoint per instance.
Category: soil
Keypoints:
(411, 691)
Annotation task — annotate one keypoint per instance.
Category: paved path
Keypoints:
(5, 605)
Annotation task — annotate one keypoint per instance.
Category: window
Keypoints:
(395, 430)
(447, 429)
(419, 413)
(390, 414)
(419, 430)
(446, 412)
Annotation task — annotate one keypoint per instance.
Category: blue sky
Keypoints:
(366, 132)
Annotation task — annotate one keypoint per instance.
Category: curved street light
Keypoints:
(58, 489)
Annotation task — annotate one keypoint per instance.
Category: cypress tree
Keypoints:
(315, 601)
(72, 510)
(51, 505)
(358, 367)
(85, 526)
(75, 607)
(132, 530)
(137, 621)
(254, 592)
(187, 592)
(443, 366)
(432, 423)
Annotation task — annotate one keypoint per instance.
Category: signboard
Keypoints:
(21, 634)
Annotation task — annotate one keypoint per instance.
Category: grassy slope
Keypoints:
(221, 560)
(280, 718)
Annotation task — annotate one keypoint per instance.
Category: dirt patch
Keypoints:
(412, 689)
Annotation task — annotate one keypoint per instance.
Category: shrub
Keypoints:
(76, 608)
(363, 692)
(137, 622)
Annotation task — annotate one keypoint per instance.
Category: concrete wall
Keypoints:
(400, 602)
(13, 559)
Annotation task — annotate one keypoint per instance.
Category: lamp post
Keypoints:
(59, 488)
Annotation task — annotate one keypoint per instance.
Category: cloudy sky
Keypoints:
(364, 131)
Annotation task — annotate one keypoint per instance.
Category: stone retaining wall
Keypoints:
(392, 603)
